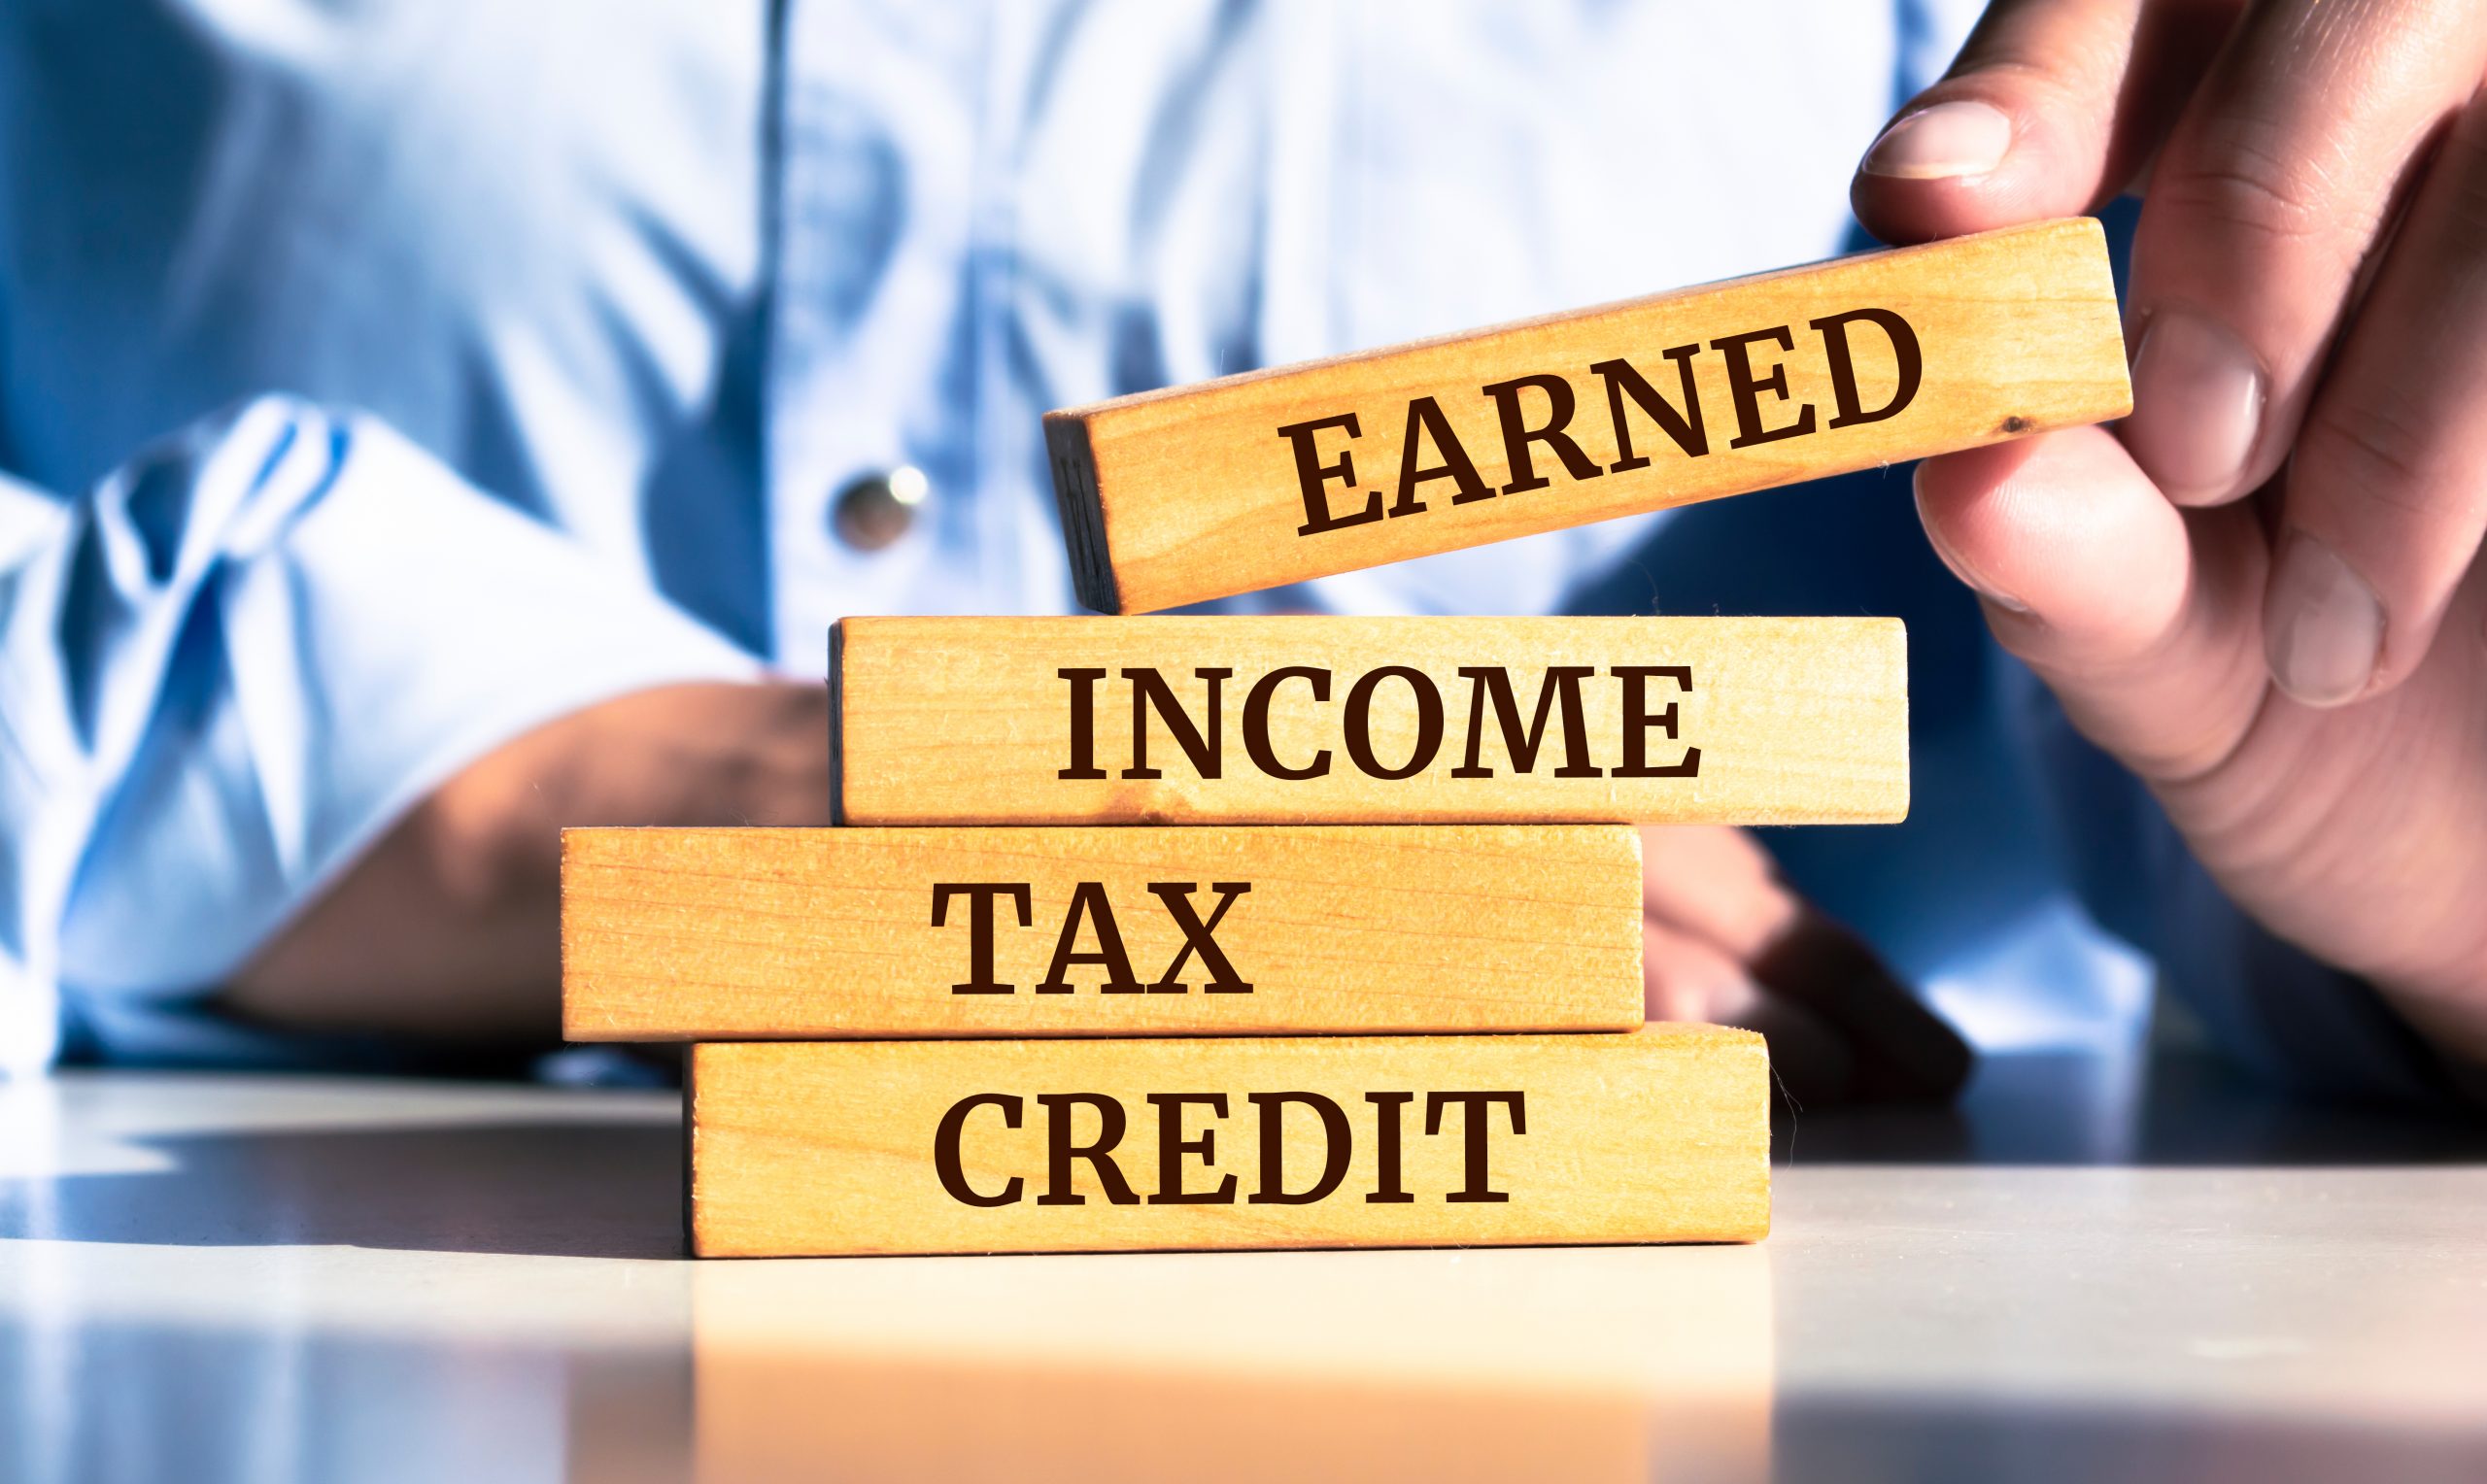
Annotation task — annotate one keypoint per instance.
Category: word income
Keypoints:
(1198, 732)
(1429, 433)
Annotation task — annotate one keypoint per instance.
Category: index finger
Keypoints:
(2052, 107)
(2280, 180)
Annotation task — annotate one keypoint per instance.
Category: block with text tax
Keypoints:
(1272, 477)
(717, 934)
(951, 720)
(863, 1147)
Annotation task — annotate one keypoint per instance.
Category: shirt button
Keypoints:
(876, 509)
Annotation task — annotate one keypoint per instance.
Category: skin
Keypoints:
(2314, 184)
(448, 930)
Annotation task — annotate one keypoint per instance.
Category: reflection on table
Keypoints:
(2085, 1272)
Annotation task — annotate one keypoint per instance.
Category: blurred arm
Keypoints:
(243, 660)
(448, 928)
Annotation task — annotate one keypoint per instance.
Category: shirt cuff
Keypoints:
(270, 638)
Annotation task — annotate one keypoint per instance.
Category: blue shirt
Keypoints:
(378, 382)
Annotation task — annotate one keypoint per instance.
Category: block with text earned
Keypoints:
(1272, 477)
(1317, 932)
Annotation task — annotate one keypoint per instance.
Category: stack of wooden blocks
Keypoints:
(1281, 931)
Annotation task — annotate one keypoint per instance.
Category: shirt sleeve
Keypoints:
(233, 664)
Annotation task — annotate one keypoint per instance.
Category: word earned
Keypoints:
(1533, 415)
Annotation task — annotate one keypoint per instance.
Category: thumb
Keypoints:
(2143, 618)
(2052, 109)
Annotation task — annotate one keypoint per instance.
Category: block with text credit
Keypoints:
(1254, 481)
(857, 1147)
(731, 934)
(950, 720)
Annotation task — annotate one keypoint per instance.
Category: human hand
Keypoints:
(1726, 940)
(449, 928)
(2262, 591)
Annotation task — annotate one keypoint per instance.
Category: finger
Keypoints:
(1684, 978)
(2051, 109)
(2141, 616)
(2281, 178)
(1908, 1050)
(1718, 885)
(2386, 486)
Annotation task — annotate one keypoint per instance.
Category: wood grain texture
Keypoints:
(970, 721)
(1193, 492)
(733, 934)
(835, 1147)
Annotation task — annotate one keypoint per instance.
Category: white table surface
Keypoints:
(2080, 1275)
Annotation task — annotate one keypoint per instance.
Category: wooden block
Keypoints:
(1248, 481)
(851, 1147)
(1401, 720)
(731, 934)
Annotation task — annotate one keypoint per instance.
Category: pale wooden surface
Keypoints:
(306, 1280)
(948, 720)
(1189, 494)
(826, 1147)
(731, 934)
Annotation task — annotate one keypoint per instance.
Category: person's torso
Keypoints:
(675, 274)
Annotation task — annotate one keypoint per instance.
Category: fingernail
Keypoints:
(1941, 142)
(1974, 579)
(2322, 625)
(2198, 405)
